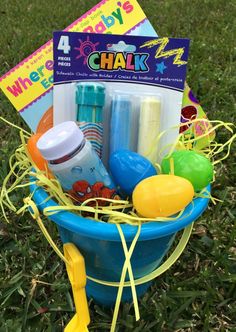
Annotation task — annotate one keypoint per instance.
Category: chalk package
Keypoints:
(115, 159)
(120, 91)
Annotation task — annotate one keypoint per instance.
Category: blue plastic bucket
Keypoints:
(101, 246)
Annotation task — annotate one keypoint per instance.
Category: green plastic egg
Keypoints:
(191, 166)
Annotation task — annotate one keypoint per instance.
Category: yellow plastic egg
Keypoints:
(162, 195)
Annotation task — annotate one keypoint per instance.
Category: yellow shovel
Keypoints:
(77, 276)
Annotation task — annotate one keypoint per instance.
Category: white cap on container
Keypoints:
(60, 140)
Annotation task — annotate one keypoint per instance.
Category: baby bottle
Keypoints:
(75, 164)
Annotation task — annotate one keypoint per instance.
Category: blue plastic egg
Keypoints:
(128, 169)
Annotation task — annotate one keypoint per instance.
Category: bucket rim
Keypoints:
(106, 231)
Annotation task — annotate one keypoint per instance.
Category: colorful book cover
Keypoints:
(29, 85)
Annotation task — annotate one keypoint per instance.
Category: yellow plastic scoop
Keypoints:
(77, 276)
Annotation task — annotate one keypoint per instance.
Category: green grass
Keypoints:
(198, 293)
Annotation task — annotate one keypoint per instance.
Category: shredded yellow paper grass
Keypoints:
(24, 172)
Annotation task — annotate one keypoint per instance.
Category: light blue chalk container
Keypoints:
(101, 247)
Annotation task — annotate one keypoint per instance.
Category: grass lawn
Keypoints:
(199, 292)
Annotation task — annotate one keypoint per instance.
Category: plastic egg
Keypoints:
(46, 122)
(35, 154)
(129, 168)
(191, 166)
(162, 195)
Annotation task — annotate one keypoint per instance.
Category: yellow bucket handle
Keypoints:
(77, 276)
